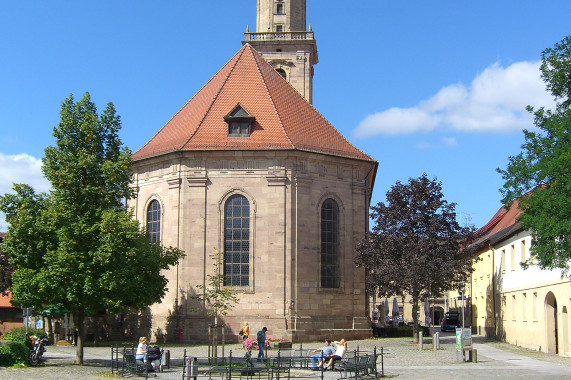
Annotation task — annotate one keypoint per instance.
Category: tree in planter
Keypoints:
(540, 176)
(416, 246)
(218, 300)
(78, 247)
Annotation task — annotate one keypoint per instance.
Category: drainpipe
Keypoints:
(494, 287)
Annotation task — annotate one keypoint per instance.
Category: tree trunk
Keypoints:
(415, 318)
(80, 335)
(50, 329)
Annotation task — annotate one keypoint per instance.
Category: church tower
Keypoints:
(282, 38)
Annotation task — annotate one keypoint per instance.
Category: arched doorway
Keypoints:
(551, 323)
(437, 314)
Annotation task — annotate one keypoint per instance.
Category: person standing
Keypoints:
(323, 352)
(261, 338)
(245, 331)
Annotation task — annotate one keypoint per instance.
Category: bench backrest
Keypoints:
(130, 358)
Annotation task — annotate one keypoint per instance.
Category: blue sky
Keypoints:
(436, 87)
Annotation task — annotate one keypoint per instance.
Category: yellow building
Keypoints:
(525, 307)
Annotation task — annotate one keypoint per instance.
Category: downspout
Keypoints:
(178, 229)
(494, 287)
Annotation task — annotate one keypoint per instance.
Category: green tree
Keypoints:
(6, 270)
(217, 298)
(540, 176)
(416, 245)
(87, 253)
(28, 240)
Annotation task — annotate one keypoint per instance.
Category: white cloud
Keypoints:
(20, 168)
(450, 141)
(423, 145)
(495, 101)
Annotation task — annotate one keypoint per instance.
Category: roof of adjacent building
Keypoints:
(284, 120)
(503, 224)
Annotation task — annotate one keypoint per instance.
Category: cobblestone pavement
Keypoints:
(402, 360)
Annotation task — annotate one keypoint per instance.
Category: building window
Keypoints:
(280, 8)
(239, 122)
(239, 128)
(237, 241)
(534, 306)
(282, 73)
(504, 307)
(154, 221)
(524, 311)
(279, 28)
(523, 252)
(513, 307)
(330, 273)
(503, 264)
(512, 256)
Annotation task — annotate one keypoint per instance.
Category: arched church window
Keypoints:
(237, 241)
(282, 73)
(330, 272)
(154, 221)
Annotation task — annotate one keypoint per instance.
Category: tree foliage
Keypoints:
(6, 270)
(78, 247)
(540, 176)
(416, 245)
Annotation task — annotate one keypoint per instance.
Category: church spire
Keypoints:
(282, 39)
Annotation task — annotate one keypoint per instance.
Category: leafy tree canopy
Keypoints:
(6, 270)
(540, 176)
(78, 247)
(415, 246)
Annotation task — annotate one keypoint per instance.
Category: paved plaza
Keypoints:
(403, 360)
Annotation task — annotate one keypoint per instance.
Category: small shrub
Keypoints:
(19, 335)
(13, 352)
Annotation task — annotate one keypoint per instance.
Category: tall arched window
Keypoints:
(330, 273)
(154, 221)
(237, 241)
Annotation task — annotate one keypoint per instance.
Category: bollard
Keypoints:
(420, 340)
(436, 341)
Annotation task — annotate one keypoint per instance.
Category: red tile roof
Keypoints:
(284, 119)
(5, 301)
(503, 224)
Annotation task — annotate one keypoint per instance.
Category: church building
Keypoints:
(250, 170)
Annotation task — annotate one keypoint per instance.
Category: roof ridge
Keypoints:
(256, 57)
(239, 54)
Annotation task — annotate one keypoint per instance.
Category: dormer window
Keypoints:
(239, 122)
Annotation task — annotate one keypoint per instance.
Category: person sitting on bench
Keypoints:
(324, 352)
(340, 348)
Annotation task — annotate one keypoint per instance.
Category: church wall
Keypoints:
(285, 191)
